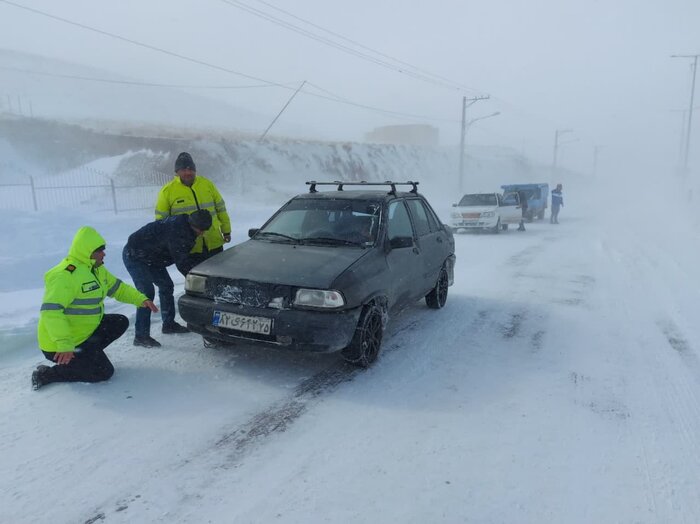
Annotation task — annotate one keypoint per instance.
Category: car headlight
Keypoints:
(195, 283)
(318, 298)
(488, 214)
(456, 215)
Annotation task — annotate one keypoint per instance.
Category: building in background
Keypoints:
(409, 134)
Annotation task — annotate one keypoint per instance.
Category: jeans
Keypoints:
(145, 277)
(89, 363)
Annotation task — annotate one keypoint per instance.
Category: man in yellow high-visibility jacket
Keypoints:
(73, 328)
(188, 192)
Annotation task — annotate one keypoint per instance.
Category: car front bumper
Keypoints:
(308, 330)
(479, 223)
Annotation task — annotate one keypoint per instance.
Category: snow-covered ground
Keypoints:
(561, 383)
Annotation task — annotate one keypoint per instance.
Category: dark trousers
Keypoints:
(90, 364)
(554, 219)
(145, 277)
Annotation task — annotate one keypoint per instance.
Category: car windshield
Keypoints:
(325, 222)
(485, 199)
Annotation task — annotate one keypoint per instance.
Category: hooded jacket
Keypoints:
(175, 198)
(73, 304)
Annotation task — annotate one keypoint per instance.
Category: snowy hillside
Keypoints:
(269, 171)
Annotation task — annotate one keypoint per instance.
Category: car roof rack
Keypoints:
(340, 185)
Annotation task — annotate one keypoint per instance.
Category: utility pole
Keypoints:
(557, 134)
(466, 102)
(690, 108)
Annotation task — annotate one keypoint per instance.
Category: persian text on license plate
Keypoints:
(242, 323)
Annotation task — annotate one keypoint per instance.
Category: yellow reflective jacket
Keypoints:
(175, 198)
(74, 295)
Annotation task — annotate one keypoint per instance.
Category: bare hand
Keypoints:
(63, 357)
(227, 237)
(150, 305)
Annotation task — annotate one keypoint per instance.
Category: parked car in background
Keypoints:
(537, 197)
(485, 211)
(325, 272)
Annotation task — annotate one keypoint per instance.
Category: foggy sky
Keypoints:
(601, 68)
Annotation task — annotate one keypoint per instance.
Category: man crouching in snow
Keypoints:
(73, 329)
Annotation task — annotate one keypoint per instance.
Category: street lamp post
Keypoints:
(466, 126)
(690, 108)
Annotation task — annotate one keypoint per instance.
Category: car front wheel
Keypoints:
(438, 296)
(367, 340)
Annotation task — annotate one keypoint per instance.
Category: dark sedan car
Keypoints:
(325, 272)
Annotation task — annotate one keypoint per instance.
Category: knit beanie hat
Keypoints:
(184, 161)
(201, 219)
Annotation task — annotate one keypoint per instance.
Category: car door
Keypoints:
(510, 208)
(404, 263)
(431, 242)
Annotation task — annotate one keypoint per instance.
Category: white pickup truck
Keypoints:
(489, 211)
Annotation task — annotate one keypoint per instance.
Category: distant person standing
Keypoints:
(189, 192)
(73, 328)
(557, 203)
(147, 255)
(523, 207)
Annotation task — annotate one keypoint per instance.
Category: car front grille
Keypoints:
(249, 293)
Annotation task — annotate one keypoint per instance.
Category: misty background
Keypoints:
(600, 69)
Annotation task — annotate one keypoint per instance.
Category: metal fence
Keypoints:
(84, 188)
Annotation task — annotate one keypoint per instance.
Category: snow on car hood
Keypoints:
(281, 263)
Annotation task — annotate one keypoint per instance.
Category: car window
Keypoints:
(341, 221)
(481, 199)
(510, 199)
(399, 222)
(420, 217)
(433, 220)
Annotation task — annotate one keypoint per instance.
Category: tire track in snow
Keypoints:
(238, 442)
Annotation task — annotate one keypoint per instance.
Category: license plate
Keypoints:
(260, 325)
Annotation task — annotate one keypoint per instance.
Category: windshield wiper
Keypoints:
(275, 234)
(331, 241)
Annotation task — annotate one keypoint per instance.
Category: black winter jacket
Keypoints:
(164, 242)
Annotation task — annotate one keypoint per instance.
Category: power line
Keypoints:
(360, 45)
(144, 45)
(130, 82)
(337, 98)
(333, 98)
(342, 47)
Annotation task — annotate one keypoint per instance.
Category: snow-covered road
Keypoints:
(561, 383)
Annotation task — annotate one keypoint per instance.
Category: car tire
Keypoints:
(497, 228)
(438, 296)
(504, 227)
(540, 215)
(367, 340)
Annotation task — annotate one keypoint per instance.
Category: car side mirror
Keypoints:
(400, 242)
(253, 231)
(454, 205)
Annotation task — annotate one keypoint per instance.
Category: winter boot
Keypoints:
(39, 377)
(174, 328)
(146, 342)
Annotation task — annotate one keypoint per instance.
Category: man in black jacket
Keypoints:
(147, 255)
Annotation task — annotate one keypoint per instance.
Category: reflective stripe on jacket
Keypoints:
(74, 294)
(175, 198)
